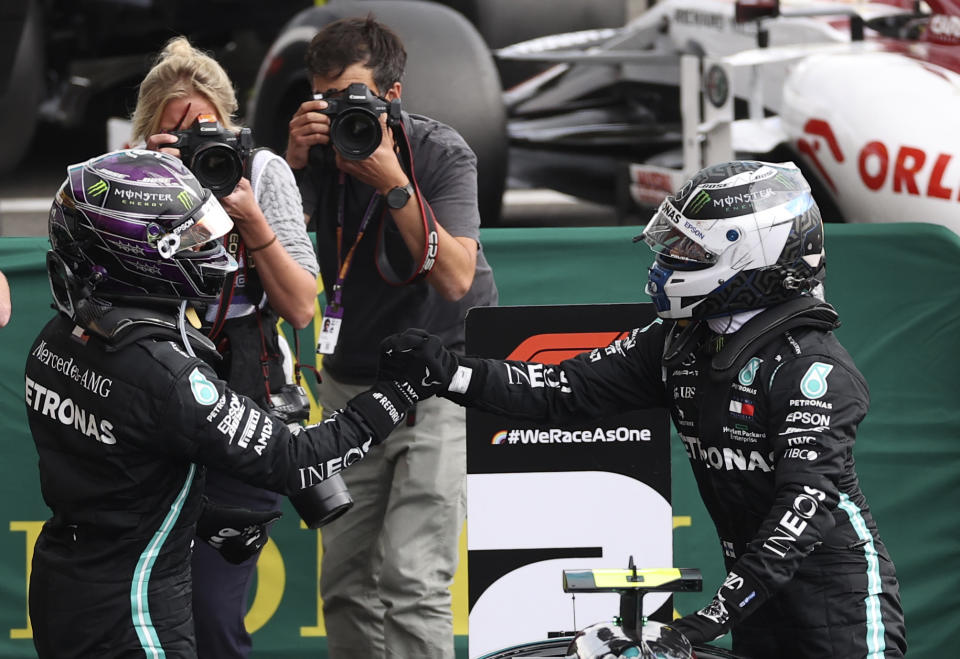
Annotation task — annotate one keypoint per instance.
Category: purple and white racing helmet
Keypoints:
(136, 225)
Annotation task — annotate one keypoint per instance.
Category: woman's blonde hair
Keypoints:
(179, 71)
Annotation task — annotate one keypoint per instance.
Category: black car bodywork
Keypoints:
(73, 63)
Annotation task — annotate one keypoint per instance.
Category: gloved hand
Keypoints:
(707, 624)
(417, 364)
(414, 365)
(237, 533)
(737, 598)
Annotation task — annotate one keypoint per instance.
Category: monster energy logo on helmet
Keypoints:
(186, 199)
(97, 188)
(785, 181)
(143, 197)
(699, 200)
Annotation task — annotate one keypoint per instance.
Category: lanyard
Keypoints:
(344, 262)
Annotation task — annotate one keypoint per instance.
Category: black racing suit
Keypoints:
(770, 439)
(123, 432)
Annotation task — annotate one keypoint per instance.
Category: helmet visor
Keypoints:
(205, 223)
(664, 236)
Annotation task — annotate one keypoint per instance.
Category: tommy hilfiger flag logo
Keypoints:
(740, 407)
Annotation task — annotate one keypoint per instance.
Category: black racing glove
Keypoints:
(707, 624)
(737, 598)
(414, 365)
(417, 364)
(237, 533)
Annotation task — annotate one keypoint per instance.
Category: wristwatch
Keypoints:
(399, 196)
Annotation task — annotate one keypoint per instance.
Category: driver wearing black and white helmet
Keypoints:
(765, 400)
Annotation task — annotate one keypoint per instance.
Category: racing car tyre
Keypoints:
(505, 22)
(450, 77)
(21, 88)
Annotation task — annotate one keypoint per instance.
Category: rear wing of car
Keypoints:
(632, 584)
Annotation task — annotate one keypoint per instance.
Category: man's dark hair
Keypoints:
(354, 39)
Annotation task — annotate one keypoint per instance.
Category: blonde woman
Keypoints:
(277, 276)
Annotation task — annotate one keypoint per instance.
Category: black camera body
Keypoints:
(214, 154)
(290, 403)
(328, 499)
(354, 113)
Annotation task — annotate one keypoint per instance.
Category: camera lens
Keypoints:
(217, 167)
(324, 502)
(356, 133)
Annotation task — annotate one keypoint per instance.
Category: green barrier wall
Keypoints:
(897, 288)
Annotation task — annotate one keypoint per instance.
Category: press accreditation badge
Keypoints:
(329, 330)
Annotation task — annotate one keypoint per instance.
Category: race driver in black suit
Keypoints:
(126, 413)
(764, 397)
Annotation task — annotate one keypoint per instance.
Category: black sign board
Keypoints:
(546, 498)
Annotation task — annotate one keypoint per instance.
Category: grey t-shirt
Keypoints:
(445, 169)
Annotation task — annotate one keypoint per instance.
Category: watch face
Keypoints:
(397, 197)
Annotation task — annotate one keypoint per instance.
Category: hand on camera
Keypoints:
(417, 364)
(307, 128)
(161, 142)
(241, 204)
(381, 169)
(237, 533)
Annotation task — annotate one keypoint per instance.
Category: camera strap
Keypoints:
(253, 167)
(242, 338)
(233, 245)
(333, 312)
(344, 261)
(430, 243)
(237, 333)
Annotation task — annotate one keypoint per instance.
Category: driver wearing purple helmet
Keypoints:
(126, 414)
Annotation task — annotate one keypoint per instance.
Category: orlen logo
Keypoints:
(901, 169)
(944, 29)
